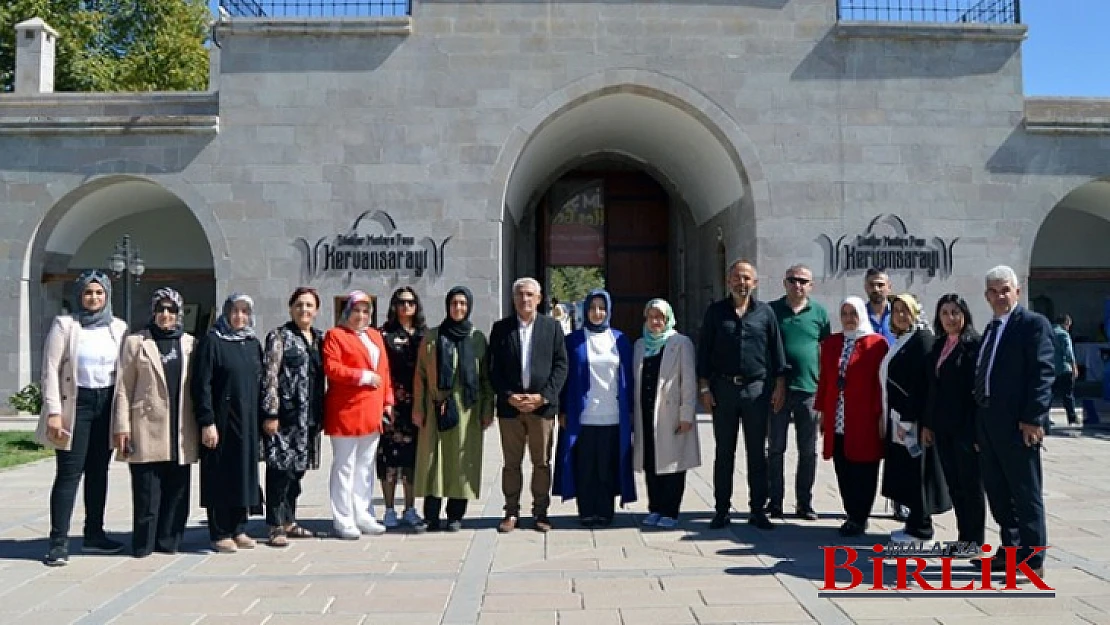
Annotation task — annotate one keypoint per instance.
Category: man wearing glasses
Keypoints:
(803, 324)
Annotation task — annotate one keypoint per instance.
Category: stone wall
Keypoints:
(318, 122)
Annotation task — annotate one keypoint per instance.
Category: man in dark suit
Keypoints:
(1013, 387)
(528, 366)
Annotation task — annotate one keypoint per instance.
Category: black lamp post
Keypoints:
(126, 262)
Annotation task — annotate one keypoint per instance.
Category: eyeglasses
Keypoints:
(797, 280)
(405, 302)
(165, 308)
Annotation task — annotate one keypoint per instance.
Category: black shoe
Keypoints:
(807, 513)
(720, 521)
(453, 526)
(603, 521)
(775, 512)
(851, 528)
(57, 556)
(761, 521)
(101, 544)
(419, 528)
(432, 525)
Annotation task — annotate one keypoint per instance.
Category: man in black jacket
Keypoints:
(741, 379)
(528, 366)
(1013, 387)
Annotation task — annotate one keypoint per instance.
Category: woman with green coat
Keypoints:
(452, 406)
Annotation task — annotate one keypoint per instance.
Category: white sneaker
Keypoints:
(371, 527)
(412, 518)
(390, 519)
(667, 523)
(651, 520)
(347, 533)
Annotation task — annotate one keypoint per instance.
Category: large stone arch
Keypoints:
(1069, 261)
(79, 207)
(681, 136)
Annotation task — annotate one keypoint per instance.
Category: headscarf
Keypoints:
(864, 328)
(222, 328)
(452, 340)
(654, 342)
(161, 295)
(88, 318)
(604, 325)
(354, 297)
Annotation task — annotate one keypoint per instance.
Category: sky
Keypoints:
(1068, 49)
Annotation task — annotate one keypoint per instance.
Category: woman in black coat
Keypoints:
(226, 388)
(912, 473)
(949, 420)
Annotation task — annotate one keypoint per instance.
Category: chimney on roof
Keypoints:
(34, 57)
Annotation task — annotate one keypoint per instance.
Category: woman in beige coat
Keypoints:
(665, 436)
(78, 380)
(154, 426)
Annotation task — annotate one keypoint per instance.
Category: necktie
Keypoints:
(985, 362)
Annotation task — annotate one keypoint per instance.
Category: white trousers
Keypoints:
(353, 465)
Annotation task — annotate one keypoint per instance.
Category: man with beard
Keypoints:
(877, 284)
(741, 369)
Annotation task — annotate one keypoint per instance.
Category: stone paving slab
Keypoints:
(623, 575)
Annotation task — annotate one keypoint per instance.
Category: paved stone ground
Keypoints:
(572, 576)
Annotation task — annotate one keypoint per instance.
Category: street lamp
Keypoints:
(126, 262)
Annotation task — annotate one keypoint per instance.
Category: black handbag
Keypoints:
(448, 414)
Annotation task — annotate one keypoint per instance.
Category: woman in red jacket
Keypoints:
(359, 393)
(850, 400)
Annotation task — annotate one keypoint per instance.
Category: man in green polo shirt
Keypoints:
(803, 325)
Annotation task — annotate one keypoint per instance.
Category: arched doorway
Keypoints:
(606, 224)
(1069, 269)
(633, 186)
(81, 232)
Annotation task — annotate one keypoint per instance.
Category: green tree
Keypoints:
(570, 284)
(116, 45)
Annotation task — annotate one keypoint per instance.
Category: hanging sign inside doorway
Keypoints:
(372, 246)
(577, 235)
(887, 244)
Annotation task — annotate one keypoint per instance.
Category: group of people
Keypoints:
(407, 404)
(953, 419)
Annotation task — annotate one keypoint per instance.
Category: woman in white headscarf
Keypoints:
(226, 388)
(850, 403)
(665, 434)
(78, 380)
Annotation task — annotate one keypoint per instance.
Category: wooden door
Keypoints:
(637, 268)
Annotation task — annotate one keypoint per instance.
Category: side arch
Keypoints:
(108, 192)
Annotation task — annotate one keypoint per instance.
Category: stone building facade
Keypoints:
(424, 150)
